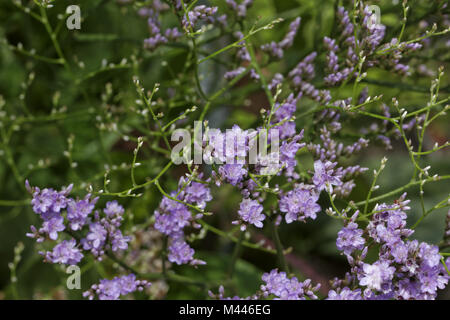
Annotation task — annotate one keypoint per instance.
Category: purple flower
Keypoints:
(48, 201)
(197, 193)
(299, 204)
(52, 226)
(388, 223)
(429, 254)
(171, 217)
(288, 151)
(65, 252)
(78, 211)
(279, 285)
(181, 253)
(95, 239)
(345, 294)
(399, 251)
(233, 73)
(350, 239)
(153, 42)
(375, 275)
(324, 176)
(250, 212)
(113, 208)
(240, 9)
(233, 173)
(277, 49)
(431, 280)
(116, 287)
(201, 12)
(276, 80)
(119, 241)
(109, 289)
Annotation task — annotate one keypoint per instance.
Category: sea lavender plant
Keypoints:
(317, 105)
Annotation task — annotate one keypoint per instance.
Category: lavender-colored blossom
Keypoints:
(280, 286)
(276, 49)
(78, 211)
(201, 12)
(345, 294)
(233, 173)
(116, 287)
(276, 80)
(388, 223)
(95, 239)
(250, 211)
(155, 41)
(350, 239)
(52, 226)
(171, 216)
(233, 73)
(181, 253)
(119, 241)
(288, 150)
(429, 254)
(324, 176)
(48, 200)
(113, 208)
(172, 34)
(239, 8)
(299, 204)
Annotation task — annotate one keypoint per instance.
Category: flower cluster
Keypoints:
(300, 203)
(250, 212)
(96, 233)
(240, 8)
(157, 37)
(304, 124)
(115, 288)
(276, 49)
(327, 172)
(202, 13)
(405, 269)
(278, 286)
(173, 215)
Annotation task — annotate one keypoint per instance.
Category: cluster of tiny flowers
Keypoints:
(447, 229)
(202, 13)
(277, 286)
(328, 151)
(342, 60)
(173, 216)
(240, 8)
(300, 203)
(115, 288)
(250, 212)
(283, 113)
(157, 36)
(242, 55)
(368, 41)
(103, 231)
(405, 269)
(300, 78)
(276, 49)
